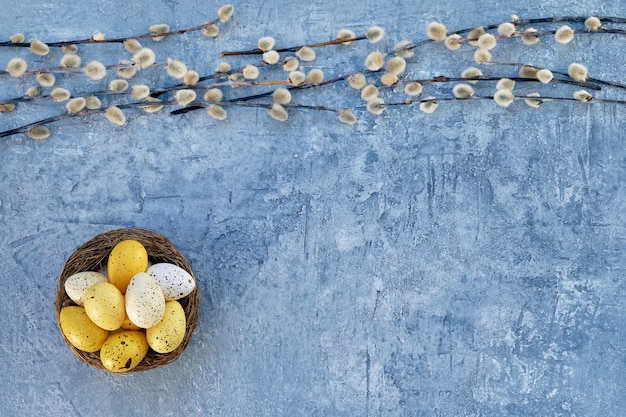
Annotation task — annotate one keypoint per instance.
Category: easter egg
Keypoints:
(145, 302)
(124, 350)
(175, 282)
(169, 333)
(77, 284)
(79, 330)
(104, 304)
(126, 259)
(128, 325)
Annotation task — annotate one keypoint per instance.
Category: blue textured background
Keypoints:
(464, 263)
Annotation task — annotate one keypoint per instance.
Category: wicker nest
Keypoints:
(93, 255)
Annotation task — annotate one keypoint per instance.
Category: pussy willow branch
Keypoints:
(490, 98)
(295, 48)
(524, 22)
(114, 40)
(589, 83)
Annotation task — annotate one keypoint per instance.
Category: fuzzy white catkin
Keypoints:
(115, 115)
(505, 84)
(266, 43)
(375, 106)
(471, 72)
(184, 97)
(375, 34)
(251, 72)
(452, 42)
(481, 56)
(39, 133)
(396, 65)
(503, 98)
(413, 88)
(213, 95)
(132, 45)
(39, 48)
(357, 81)
(140, 91)
(506, 29)
(225, 12)
(210, 30)
(436, 31)
(389, 79)
(282, 96)
(428, 105)
(70, 61)
(315, 76)
(533, 102)
(374, 61)
(16, 67)
(217, 112)
(75, 105)
(144, 57)
(60, 94)
(118, 86)
(271, 57)
(176, 68)
(487, 41)
(291, 64)
(345, 34)
(191, 78)
(564, 34)
(46, 79)
(306, 54)
(577, 71)
(347, 117)
(278, 112)
(297, 78)
(463, 91)
(528, 38)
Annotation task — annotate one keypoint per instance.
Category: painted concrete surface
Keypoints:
(464, 263)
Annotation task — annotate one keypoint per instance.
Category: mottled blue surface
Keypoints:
(464, 263)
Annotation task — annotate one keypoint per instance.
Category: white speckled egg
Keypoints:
(145, 302)
(77, 284)
(175, 282)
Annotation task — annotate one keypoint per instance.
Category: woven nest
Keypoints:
(93, 255)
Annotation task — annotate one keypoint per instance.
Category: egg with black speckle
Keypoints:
(76, 284)
(175, 282)
(145, 302)
(80, 331)
(123, 351)
(169, 333)
(104, 305)
(126, 259)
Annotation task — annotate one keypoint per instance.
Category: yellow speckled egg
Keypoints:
(145, 302)
(168, 334)
(128, 325)
(77, 284)
(104, 305)
(123, 351)
(80, 331)
(126, 259)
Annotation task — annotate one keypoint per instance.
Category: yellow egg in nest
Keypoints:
(104, 304)
(169, 333)
(80, 331)
(127, 258)
(123, 351)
